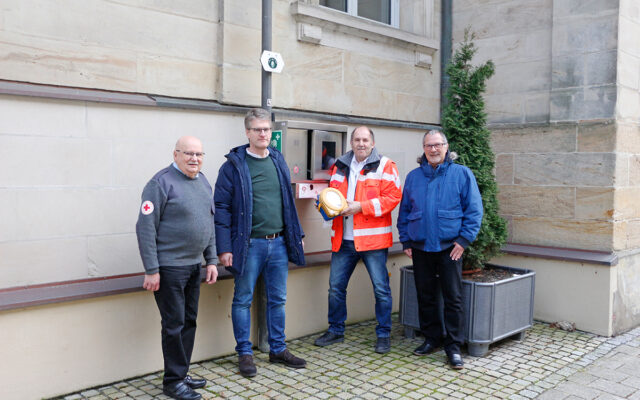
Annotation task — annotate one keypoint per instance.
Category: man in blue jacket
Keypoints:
(440, 215)
(258, 232)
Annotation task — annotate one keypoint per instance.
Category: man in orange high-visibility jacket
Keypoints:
(371, 185)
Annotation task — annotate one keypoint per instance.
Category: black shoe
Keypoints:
(246, 366)
(383, 345)
(195, 383)
(181, 391)
(425, 348)
(455, 360)
(328, 338)
(288, 359)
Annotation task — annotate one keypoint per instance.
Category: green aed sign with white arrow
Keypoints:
(276, 140)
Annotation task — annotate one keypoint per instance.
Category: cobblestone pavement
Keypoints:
(548, 364)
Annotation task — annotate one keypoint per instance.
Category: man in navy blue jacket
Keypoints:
(258, 232)
(440, 215)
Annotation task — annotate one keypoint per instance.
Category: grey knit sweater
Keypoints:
(175, 221)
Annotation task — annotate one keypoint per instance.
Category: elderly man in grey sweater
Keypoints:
(175, 231)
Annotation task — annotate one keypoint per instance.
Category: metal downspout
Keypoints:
(446, 42)
(263, 332)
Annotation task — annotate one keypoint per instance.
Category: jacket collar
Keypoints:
(344, 161)
(239, 153)
(428, 170)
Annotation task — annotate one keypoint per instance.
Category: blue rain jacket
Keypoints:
(439, 207)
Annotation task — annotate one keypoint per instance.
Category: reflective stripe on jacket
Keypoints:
(378, 191)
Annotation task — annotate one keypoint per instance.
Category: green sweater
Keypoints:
(267, 197)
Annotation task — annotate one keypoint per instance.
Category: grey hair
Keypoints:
(452, 154)
(373, 137)
(256, 113)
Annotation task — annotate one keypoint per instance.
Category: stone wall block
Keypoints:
(565, 104)
(629, 104)
(537, 107)
(594, 204)
(557, 232)
(567, 71)
(242, 45)
(558, 138)
(538, 201)
(630, 9)
(314, 62)
(247, 13)
(505, 108)
(601, 67)
(583, 169)
(622, 170)
(628, 70)
(634, 170)
(55, 118)
(599, 102)
(519, 47)
(627, 235)
(374, 72)
(576, 8)
(321, 95)
(241, 85)
(418, 108)
(511, 77)
(107, 24)
(177, 77)
(33, 262)
(628, 137)
(585, 35)
(39, 60)
(626, 203)
(504, 169)
(629, 32)
(200, 9)
(597, 137)
(522, 16)
(372, 102)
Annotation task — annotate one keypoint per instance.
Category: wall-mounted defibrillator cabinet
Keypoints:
(310, 149)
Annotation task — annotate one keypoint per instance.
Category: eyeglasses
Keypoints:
(260, 130)
(191, 153)
(436, 146)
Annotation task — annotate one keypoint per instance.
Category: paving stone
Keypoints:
(547, 364)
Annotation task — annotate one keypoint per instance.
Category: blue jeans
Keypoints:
(269, 258)
(343, 263)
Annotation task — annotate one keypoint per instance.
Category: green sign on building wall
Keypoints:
(276, 140)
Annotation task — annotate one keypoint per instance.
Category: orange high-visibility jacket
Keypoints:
(378, 191)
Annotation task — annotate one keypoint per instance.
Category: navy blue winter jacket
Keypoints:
(233, 198)
(439, 207)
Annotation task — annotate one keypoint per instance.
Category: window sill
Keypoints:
(314, 21)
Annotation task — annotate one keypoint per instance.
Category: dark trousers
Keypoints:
(177, 300)
(431, 269)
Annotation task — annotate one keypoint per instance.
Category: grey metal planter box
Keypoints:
(493, 311)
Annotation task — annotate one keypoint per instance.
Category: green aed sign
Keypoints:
(276, 140)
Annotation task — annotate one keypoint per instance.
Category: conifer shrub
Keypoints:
(464, 122)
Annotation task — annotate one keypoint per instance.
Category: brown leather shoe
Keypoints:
(288, 359)
(246, 366)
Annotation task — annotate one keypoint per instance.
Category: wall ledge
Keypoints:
(557, 253)
(58, 292)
